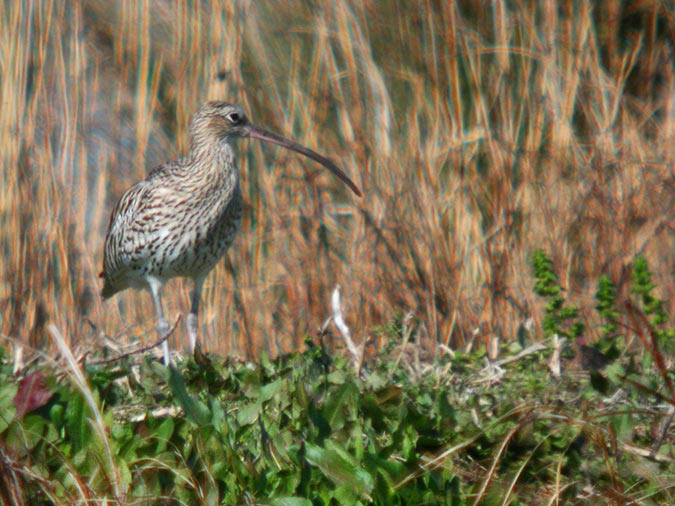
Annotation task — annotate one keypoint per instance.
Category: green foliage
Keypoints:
(653, 307)
(303, 429)
(606, 307)
(560, 318)
(620, 371)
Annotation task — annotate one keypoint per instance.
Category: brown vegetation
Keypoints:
(477, 134)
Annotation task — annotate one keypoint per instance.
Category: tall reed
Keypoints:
(478, 134)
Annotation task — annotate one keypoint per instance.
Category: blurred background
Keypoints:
(478, 132)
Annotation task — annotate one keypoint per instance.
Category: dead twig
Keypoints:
(559, 344)
(342, 326)
(494, 370)
(535, 348)
(360, 372)
(407, 331)
(140, 350)
(647, 454)
(663, 431)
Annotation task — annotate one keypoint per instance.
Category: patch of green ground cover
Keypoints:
(306, 429)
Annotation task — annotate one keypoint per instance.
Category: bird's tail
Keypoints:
(108, 289)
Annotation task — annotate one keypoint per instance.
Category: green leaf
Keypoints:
(269, 391)
(249, 413)
(339, 467)
(344, 494)
(34, 427)
(163, 434)
(615, 373)
(291, 501)
(7, 407)
(218, 413)
(340, 402)
(56, 415)
(77, 426)
(195, 410)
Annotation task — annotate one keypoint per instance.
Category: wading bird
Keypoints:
(180, 220)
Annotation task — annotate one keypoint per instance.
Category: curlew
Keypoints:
(180, 220)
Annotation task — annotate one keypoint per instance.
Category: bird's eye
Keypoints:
(234, 117)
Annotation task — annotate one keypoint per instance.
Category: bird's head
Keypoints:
(220, 121)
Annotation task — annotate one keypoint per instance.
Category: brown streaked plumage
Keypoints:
(180, 220)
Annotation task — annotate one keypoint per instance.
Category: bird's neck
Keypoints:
(214, 162)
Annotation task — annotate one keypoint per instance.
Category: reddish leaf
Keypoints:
(33, 393)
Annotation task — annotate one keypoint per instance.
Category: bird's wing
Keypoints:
(142, 217)
(121, 236)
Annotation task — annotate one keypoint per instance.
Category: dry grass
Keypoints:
(477, 135)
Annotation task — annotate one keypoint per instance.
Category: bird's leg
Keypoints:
(192, 322)
(162, 324)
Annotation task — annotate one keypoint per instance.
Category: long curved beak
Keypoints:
(264, 135)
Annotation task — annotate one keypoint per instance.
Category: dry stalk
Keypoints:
(559, 344)
(339, 322)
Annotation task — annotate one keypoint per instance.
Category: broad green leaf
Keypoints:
(269, 391)
(340, 468)
(345, 494)
(249, 414)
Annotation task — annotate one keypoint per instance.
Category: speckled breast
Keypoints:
(205, 234)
